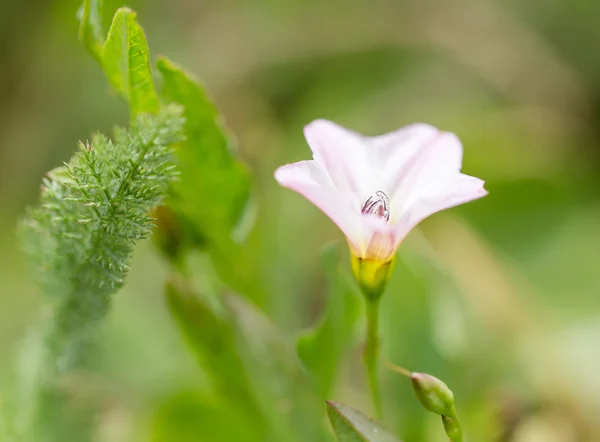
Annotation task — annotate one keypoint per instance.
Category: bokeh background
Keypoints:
(500, 298)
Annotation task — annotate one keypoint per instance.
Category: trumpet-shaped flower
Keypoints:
(377, 189)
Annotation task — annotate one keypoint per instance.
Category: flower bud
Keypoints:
(433, 394)
(371, 275)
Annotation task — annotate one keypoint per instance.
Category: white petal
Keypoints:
(455, 190)
(426, 158)
(343, 154)
(309, 179)
(303, 172)
(392, 150)
(417, 167)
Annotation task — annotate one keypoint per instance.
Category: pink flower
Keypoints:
(377, 189)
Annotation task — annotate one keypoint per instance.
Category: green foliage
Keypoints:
(95, 208)
(211, 337)
(125, 58)
(285, 392)
(91, 214)
(191, 416)
(350, 425)
(90, 30)
(250, 364)
(322, 348)
(124, 55)
(209, 205)
(504, 306)
(214, 188)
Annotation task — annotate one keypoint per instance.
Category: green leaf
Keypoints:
(126, 62)
(124, 56)
(210, 205)
(214, 188)
(207, 159)
(211, 336)
(276, 374)
(249, 362)
(350, 425)
(323, 347)
(91, 33)
(190, 415)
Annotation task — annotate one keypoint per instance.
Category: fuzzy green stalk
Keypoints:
(371, 352)
(80, 239)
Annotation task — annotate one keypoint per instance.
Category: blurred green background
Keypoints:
(500, 298)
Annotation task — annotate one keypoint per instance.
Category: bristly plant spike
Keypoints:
(92, 211)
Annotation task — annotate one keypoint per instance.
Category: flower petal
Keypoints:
(309, 179)
(303, 172)
(417, 168)
(430, 157)
(422, 173)
(392, 150)
(456, 190)
(342, 153)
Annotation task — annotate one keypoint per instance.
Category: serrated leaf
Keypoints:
(351, 425)
(207, 158)
(322, 348)
(210, 206)
(124, 55)
(126, 62)
(214, 186)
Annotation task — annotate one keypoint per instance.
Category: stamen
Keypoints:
(378, 205)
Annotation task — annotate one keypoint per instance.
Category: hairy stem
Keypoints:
(91, 214)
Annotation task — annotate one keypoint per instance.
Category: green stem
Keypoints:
(453, 429)
(371, 352)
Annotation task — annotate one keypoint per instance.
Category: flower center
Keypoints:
(378, 205)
